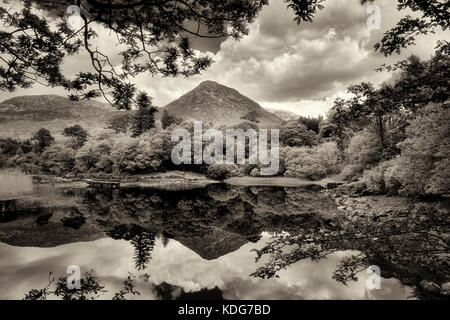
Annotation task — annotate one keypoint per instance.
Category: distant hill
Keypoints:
(21, 116)
(210, 102)
(283, 114)
(220, 105)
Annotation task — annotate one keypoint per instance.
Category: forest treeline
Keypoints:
(388, 139)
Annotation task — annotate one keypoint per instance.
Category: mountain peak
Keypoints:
(218, 104)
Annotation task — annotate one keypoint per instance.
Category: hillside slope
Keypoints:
(220, 105)
(21, 116)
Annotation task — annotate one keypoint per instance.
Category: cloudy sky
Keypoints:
(112, 260)
(281, 64)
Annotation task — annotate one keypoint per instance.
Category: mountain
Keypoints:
(283, 114)
(24, 115)
(220, 105)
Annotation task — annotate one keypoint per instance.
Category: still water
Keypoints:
(178, 244)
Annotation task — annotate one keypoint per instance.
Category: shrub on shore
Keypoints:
(222, 171)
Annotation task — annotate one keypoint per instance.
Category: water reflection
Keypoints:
(188, 244)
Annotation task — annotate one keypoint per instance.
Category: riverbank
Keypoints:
(158, 179)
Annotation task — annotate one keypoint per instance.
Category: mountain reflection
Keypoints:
(220, 219)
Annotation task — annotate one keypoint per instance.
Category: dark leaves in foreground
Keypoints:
(416, 239)
(90, 289)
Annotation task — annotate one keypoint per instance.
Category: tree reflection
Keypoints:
(142, 240)
(90, 289)
(410, 247)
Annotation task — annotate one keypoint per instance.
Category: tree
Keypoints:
(77, 133)
(120, 122)
(222, 171)
(424, 165)
(58, 159)
(338, 120)
(312, 124)
(167, 119)
(295, 134)
(142, 240)
(388, 108)
(42, 139)
(431, 14)
(144, 119)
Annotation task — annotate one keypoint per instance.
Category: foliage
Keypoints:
(311, 123)
(28, 162)
(407, 246)
(128, 288)
(338, 126)
(424, 161)
(42, 139)
(11, 150)
(144, 119)
(167, 119)
(429, 15)
(222, 171)
(144, 154)
(362, 153)
(58, 159)
(88, 158)
(295, 134)
(312, 163)
(141, 239)
(374, 178)
(120, 122)
(78, 134)
(90, 289)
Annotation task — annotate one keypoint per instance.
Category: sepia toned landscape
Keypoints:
(101, 100)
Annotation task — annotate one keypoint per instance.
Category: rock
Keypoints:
(430, 286)
(445, 289)
(342, 208)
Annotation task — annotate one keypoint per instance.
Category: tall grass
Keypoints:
(14, 183)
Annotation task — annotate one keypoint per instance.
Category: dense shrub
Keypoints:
(58, 159)
(42, 139)
(254, 170)
(312, 124)
(424, 164)
(90, 154)
(362, 153)
(312, 163)
(423, 167)
(374, 178)
(222, 171)
(28, 162)
(142, 154)
(295, 134)
(77, 134)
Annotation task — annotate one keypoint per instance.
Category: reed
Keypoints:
(14, 184)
